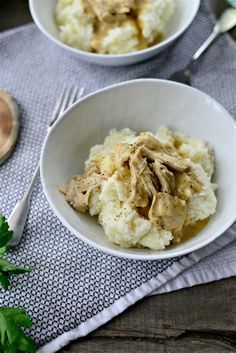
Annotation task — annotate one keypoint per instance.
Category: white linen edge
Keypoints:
(138, 293)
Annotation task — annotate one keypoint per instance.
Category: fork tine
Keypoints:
(72, 96)
(60, 105)
(64, 102)
(66, 99)
(81, 92)
(75, 95)
(57, 107)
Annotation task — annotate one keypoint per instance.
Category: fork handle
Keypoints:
(19, 214)
(208, 41)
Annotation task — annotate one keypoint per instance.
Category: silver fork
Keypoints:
(226, 22)
(19, 214)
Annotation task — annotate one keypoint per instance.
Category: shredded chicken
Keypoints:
(139, 190)
(173, 162)
(107, 10)
(149, 141)
(161, 181)
(165, 177)
(186, 185)
(167, 211)
(158, 181)
(80, 187)
(122, 156)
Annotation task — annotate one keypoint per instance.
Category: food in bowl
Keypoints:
(113, 26)
(148, 190)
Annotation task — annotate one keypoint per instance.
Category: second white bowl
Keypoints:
(42, 12)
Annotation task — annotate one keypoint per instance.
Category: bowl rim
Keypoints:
(135, 54)
(119, 252)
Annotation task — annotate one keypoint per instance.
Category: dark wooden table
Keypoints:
(201, 319)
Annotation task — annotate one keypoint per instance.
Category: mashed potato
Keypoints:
(153, 16)
(75, 23)
(108, 27)
(122, 223)
(118, 40)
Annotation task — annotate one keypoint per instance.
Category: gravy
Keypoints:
(189, 231)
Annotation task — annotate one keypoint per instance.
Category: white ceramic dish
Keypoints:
(142, 105)
(42, 12)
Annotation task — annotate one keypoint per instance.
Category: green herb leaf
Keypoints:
(3, 250)
(12, 338)
(5, 233)
(6, 268)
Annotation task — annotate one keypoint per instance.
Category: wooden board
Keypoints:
(9, 124)
(201, 319)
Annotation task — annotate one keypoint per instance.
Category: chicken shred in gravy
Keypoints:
(113, 13)
(107, 10)
(159, 183)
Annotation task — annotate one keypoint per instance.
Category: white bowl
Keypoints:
(142, 105)
(42, 12)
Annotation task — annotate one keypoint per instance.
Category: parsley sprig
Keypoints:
(6, 268)
(12, 338)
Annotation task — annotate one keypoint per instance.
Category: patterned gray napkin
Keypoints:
(72, 285)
